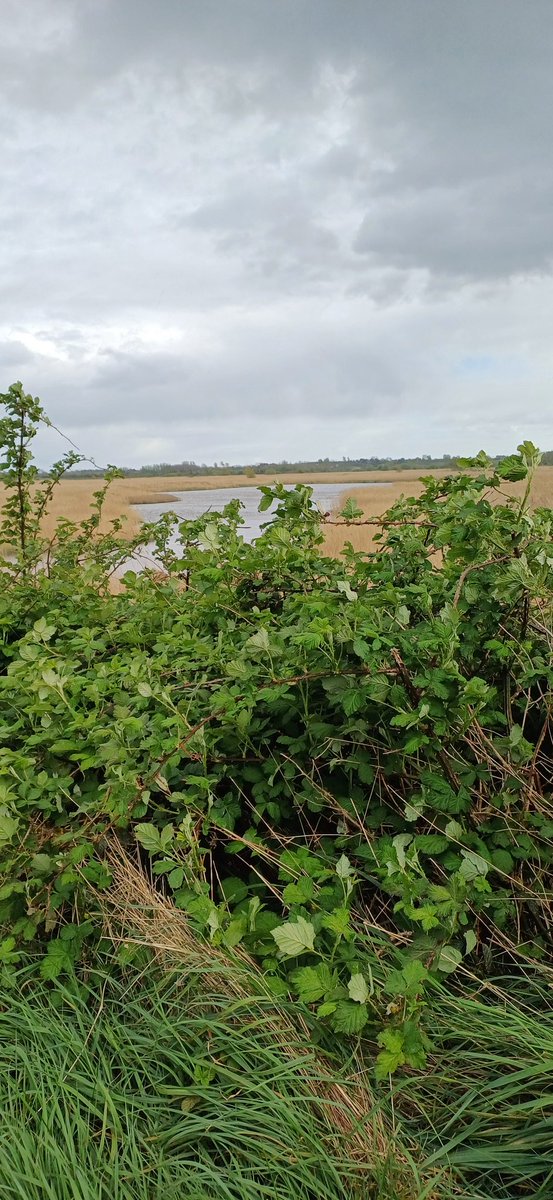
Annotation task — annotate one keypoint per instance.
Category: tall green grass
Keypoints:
(134, 1088)
(484, 1106)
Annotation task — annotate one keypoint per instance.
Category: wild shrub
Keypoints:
(305, 751)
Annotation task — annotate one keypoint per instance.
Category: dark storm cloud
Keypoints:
(304, 219)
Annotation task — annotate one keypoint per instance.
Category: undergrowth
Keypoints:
(132, 1085)
(337, 770)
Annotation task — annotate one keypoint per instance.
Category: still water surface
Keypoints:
(190, 505)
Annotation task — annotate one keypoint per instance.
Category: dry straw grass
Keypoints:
(73, 497)
(375, 501)
(136, 913)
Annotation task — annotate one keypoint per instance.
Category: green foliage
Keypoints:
(295, 745)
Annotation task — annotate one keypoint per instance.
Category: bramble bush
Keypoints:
(342, 766)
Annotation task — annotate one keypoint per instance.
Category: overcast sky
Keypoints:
(263, 229)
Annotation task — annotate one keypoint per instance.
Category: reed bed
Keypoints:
(375, 501)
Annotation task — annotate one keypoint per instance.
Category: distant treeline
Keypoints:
(319, 466)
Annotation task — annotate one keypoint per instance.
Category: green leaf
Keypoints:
(473, 865)
(470, 941)
(400, 844)
(8, 827)
(235, 931)
(175, 877)
(144, 689)
(343, 586)
(391, 1056)
(512, 468)
(325, 1010)
(353, 700)
(431, 843)
(149, 837)
(413, 1045)
(312, 982)
(259, 641)
(41, 864)
(294, 938)
(358, 990)
(503, 861)
(344, 869)
(57, 960)
(351, 510)
(166, 836)
(337, 921)
(448, 960)
(414, 976)
(349, 1017)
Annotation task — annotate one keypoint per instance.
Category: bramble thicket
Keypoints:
(339, 767)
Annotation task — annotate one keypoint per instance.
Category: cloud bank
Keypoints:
(279, 228)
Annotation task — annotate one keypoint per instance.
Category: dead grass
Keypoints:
(375, 501)
(136, 913)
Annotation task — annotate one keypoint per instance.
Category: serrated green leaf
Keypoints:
(349, 1017)
(58, 958)
(300, 891)
(473, 865)
(166, 836)
(325, 1010)
(431, 843)
(175, 877)
(414, 976)
(351, 510)
(259, 641)
(294, 938)
(312, 982)
(338, 922)
(391, 1055)
(8, 827)
(149, 837)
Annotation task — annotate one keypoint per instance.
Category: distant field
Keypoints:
(73, 496)
(407, 483)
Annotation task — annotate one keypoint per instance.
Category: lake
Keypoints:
(190, 505)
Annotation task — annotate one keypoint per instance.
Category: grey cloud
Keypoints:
(296, 218)
(490, 229)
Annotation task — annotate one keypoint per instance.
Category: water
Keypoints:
(191, 504)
